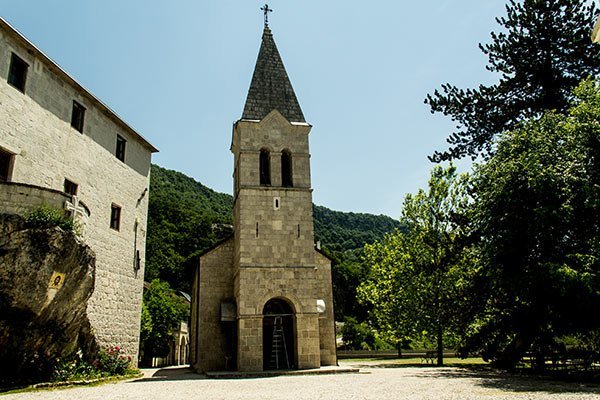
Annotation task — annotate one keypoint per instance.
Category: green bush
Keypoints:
(359, 336)
(48, 217)
(109, 361)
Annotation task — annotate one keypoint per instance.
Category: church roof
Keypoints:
(271, 88)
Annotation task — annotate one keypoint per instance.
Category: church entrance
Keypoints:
(278, 335)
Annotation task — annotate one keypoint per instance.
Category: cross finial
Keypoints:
(266, 10)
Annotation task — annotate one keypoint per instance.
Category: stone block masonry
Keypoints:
(35, 129)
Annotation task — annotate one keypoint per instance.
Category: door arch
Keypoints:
(278, 335)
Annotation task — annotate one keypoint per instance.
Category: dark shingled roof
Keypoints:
(271, 87)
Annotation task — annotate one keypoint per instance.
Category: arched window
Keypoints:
(286, 169)
(265, 167)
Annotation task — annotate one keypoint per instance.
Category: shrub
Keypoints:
(48, 217)
(109, 361)
(112, 361)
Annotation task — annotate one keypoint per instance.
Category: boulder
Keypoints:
(46, 278)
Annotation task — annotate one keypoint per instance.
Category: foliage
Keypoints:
(418, 278)
(110, 361)
(360, 336)
(541, 54)
(48, 217)
(537, 209)
(181, 214)
(341, 231)
(165, 311)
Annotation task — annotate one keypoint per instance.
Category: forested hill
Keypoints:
(341, 231)
(185, 218)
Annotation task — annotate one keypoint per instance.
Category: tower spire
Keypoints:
(271, 88)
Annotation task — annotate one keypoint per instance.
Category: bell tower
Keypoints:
(274, 253)
(263, 299)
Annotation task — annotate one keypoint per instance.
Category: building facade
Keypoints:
(262, 300)
(55, 136)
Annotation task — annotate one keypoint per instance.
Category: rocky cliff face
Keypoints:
(46, 279)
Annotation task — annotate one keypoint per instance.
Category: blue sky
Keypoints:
(178, 71)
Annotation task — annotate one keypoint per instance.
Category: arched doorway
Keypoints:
(278, 335)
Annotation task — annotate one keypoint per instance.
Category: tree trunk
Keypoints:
(440, 346)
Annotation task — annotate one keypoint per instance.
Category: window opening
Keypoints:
(265, 167)
(120, 150)
(286, 169)
(115, 217)
(70, 187)
(17, 75)
(77, 116)
(5, 161)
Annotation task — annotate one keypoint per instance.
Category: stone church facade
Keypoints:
(262, 300)
(61, 146)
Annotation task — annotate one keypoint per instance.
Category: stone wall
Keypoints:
(213, 341)
(35, 128)
(18, 198)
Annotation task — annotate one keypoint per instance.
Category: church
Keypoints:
(262, 299)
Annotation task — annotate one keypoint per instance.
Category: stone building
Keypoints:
(61, 146)
(262, 299)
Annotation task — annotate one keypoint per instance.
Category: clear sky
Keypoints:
(178, 72)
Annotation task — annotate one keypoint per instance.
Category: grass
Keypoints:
(417, 361)
(69, 384)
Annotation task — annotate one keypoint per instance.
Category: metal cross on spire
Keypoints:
(266, 10)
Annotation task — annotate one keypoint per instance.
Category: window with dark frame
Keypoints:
(286, 169)
(70, 187)
(120, 151)
(77, 116)
(5, 161)
(115, 217)
(265, 167)
(17, 74)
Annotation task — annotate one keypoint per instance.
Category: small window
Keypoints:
(276, 203)
(77, 116)
(5, 164)
(115, 217)
(286, 169)
(17, 75)
(265, 167)
(70, 187)
(120, 151)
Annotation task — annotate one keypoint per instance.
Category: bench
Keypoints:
(429, 357)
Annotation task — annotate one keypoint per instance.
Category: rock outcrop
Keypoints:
(46, 279)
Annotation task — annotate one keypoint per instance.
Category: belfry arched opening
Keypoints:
(278, 335)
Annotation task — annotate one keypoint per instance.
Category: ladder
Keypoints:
(279, 354)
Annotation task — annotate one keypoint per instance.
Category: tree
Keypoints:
(537, 210)
(417, 276)
(164, 313)
(543, 53)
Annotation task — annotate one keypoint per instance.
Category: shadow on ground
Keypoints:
(487, 377)
(171, 374)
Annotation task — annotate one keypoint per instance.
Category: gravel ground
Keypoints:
(375, 381)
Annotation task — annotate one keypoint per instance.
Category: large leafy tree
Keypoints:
(537, 209)
(417, 276)
(543, 51)
(162, 313)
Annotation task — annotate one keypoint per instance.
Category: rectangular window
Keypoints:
(77, 116)
(70, 187)
(17, 75)
(5, 164)
(115, 217)
(120, 151)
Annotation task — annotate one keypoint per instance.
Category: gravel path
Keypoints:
(375, 381)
